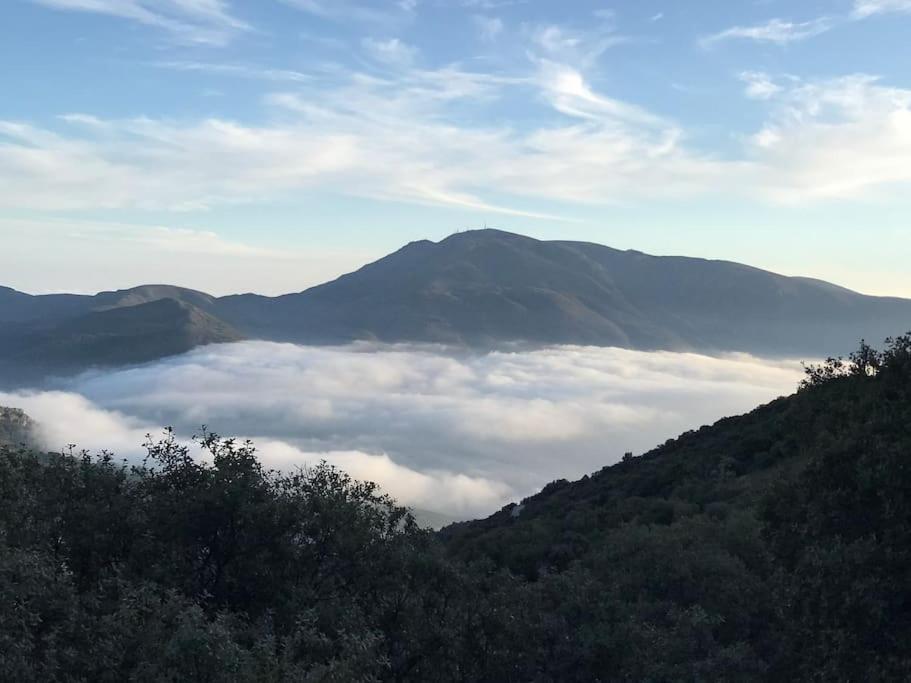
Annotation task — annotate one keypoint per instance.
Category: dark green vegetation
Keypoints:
(481, 288)
(771, 546)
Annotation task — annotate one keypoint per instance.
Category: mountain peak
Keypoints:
(481, 234)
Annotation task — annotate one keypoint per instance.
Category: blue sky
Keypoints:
(270, 145)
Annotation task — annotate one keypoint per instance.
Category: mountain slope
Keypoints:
(18, 308)
(776, 544)
(114, 336)
(487, 287)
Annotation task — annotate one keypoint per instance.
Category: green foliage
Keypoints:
(841, 533)
(216, 571)
(865, 362)
(772, 546)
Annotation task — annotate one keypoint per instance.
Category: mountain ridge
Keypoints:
(487, 288)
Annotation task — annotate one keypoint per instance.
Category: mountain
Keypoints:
(31, 311)
(481, 289)
(487, 287)
(19, 308)
(118, 335)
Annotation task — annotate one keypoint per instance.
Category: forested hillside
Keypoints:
(772, 546)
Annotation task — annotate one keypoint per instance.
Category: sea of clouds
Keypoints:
(458, 433)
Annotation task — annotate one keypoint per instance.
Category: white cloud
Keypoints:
(570, 94)
(423, 136)
(62, 415)
(382, 140)
(783, 32)
(150, 163)
(868, 8)
(382, 13)
(580, 47)
(491, 4)
(759, 86)
(836, 139)
(456, 433)
(388, 138)
(392, 51)
(239, 71)
(777, 31)
(188, 21)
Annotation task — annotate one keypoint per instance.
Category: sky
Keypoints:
(460, 434)
(269, 145)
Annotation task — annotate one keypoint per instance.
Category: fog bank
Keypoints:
(461, 434)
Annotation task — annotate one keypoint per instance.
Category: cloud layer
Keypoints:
(396, 135)
(461, 434)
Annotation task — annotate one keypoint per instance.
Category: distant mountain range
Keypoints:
(481, 288)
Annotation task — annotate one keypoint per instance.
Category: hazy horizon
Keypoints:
(268, 290)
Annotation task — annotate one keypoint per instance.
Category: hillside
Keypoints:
(42, 310)
(771, 546)
(486, 287)
(483, 289)
(803, 500)
(132, 333)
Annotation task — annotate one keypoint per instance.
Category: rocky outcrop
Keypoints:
(16, 428)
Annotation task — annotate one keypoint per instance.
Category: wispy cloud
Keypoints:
(834, 139)
(238, 71)
(188, 21)
(491, 4)
(352, 10)
(489, 28)
(783, 32)
(396, 130)
(390, 138)
(390, 51)
(578, 46)
(868, 8)
(571, 94)
(759, 86)
(777, 31)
